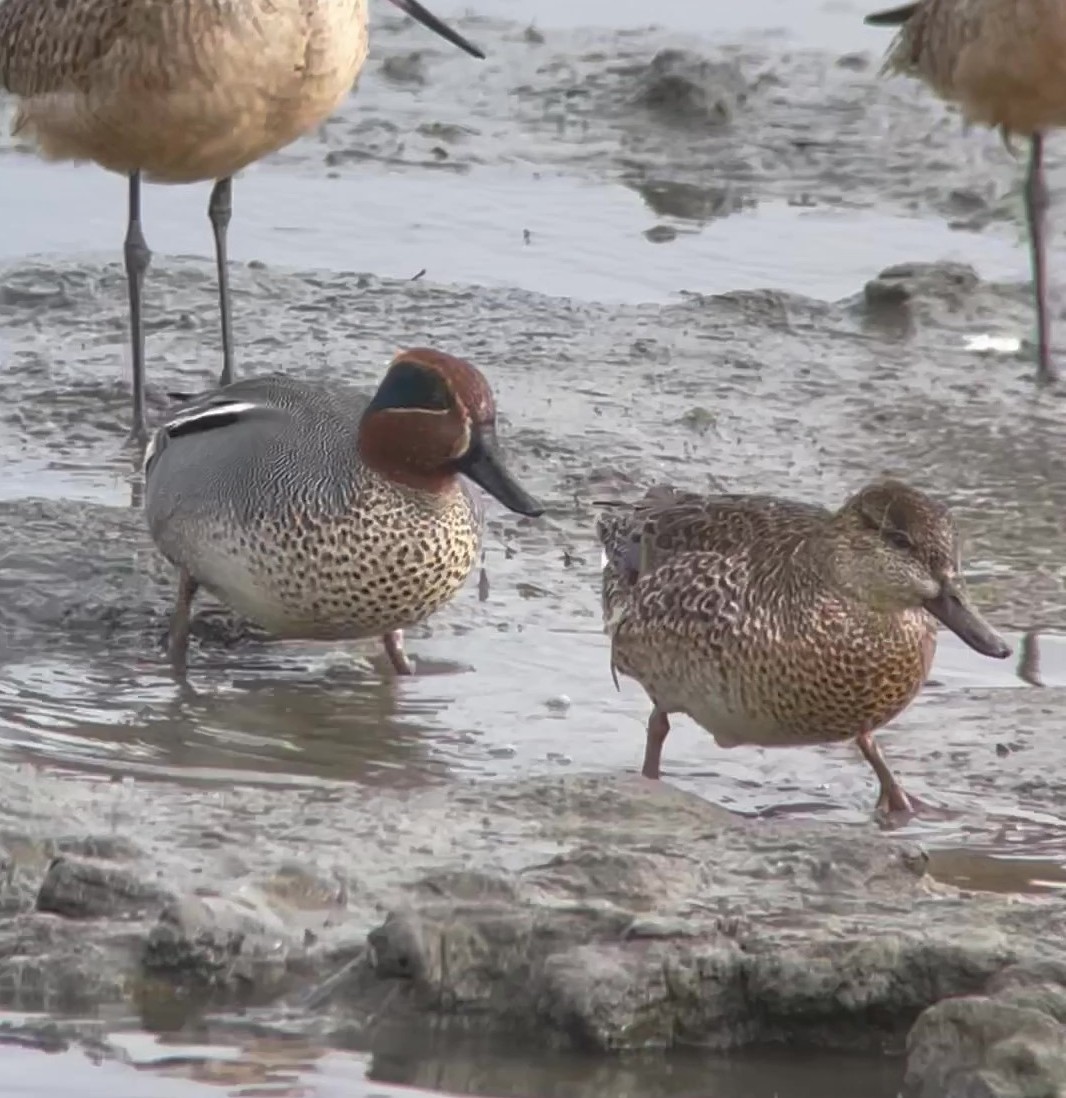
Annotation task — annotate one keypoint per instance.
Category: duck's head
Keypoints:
(897, 549)
(432, 417)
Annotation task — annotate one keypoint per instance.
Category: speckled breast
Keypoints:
(346, 576)
(830, 683)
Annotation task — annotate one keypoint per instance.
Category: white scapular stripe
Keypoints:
(234, 407)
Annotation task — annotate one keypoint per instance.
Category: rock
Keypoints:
(93, 888)
(1041, 985)
(222, 943)
(976, 1047)
(664, 921)
(51, 964)
(907, 282)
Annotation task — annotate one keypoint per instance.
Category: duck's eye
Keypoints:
(899, 539)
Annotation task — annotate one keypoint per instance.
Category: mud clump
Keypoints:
(685, 89)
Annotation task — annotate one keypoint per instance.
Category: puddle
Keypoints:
(584, 241)
(410, 1065)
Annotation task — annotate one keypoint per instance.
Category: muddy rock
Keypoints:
(602, 913)
(686, 89)
(90, 888)
(222, 943)
(664, 922)
(978, 1047)
(48, 963)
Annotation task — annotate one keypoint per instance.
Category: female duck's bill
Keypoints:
(415, 10)
(954, 609)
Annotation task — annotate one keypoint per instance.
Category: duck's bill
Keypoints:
(893, 17)
(953, 607)
(483, 466)
(415, 10)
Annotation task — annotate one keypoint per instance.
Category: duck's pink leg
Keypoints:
(394, 650)
(892, 798)
(658, 730)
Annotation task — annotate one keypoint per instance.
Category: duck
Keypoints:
(775, 622)
(317, 514)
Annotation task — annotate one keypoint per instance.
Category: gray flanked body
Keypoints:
(275, 513)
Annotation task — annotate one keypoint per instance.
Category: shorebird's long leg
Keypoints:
(137, 258)
(220, 210)
(1036, 205)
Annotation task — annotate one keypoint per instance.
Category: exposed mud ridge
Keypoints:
(606, 914)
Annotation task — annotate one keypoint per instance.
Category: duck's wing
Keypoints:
(639, 538)
(244, 402)
(629, 532)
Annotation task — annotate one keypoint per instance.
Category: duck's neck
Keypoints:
(395, 457)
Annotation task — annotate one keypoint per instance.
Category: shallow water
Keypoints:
(297, 1068)
(536, 170)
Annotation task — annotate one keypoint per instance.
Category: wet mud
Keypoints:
(253, 826)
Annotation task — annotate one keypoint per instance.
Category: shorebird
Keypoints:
(319, 515)
(1003, 62)
(181, 91)
(774, 622)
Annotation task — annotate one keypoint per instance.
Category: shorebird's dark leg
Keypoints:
(658, 730)
(394, 650)
(220, 210)
(1036, 206)
(137, 258)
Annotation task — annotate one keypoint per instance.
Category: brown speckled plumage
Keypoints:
(180, 90)
(773, 622)
(285, 500)
(1003, 63)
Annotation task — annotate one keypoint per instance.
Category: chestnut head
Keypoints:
(432, 417)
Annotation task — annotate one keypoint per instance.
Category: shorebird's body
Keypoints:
(180, 91)
(319, 515)
(774, 623)
(1003, 63)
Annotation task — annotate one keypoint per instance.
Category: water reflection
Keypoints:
(219, 1059)
(262, 718)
